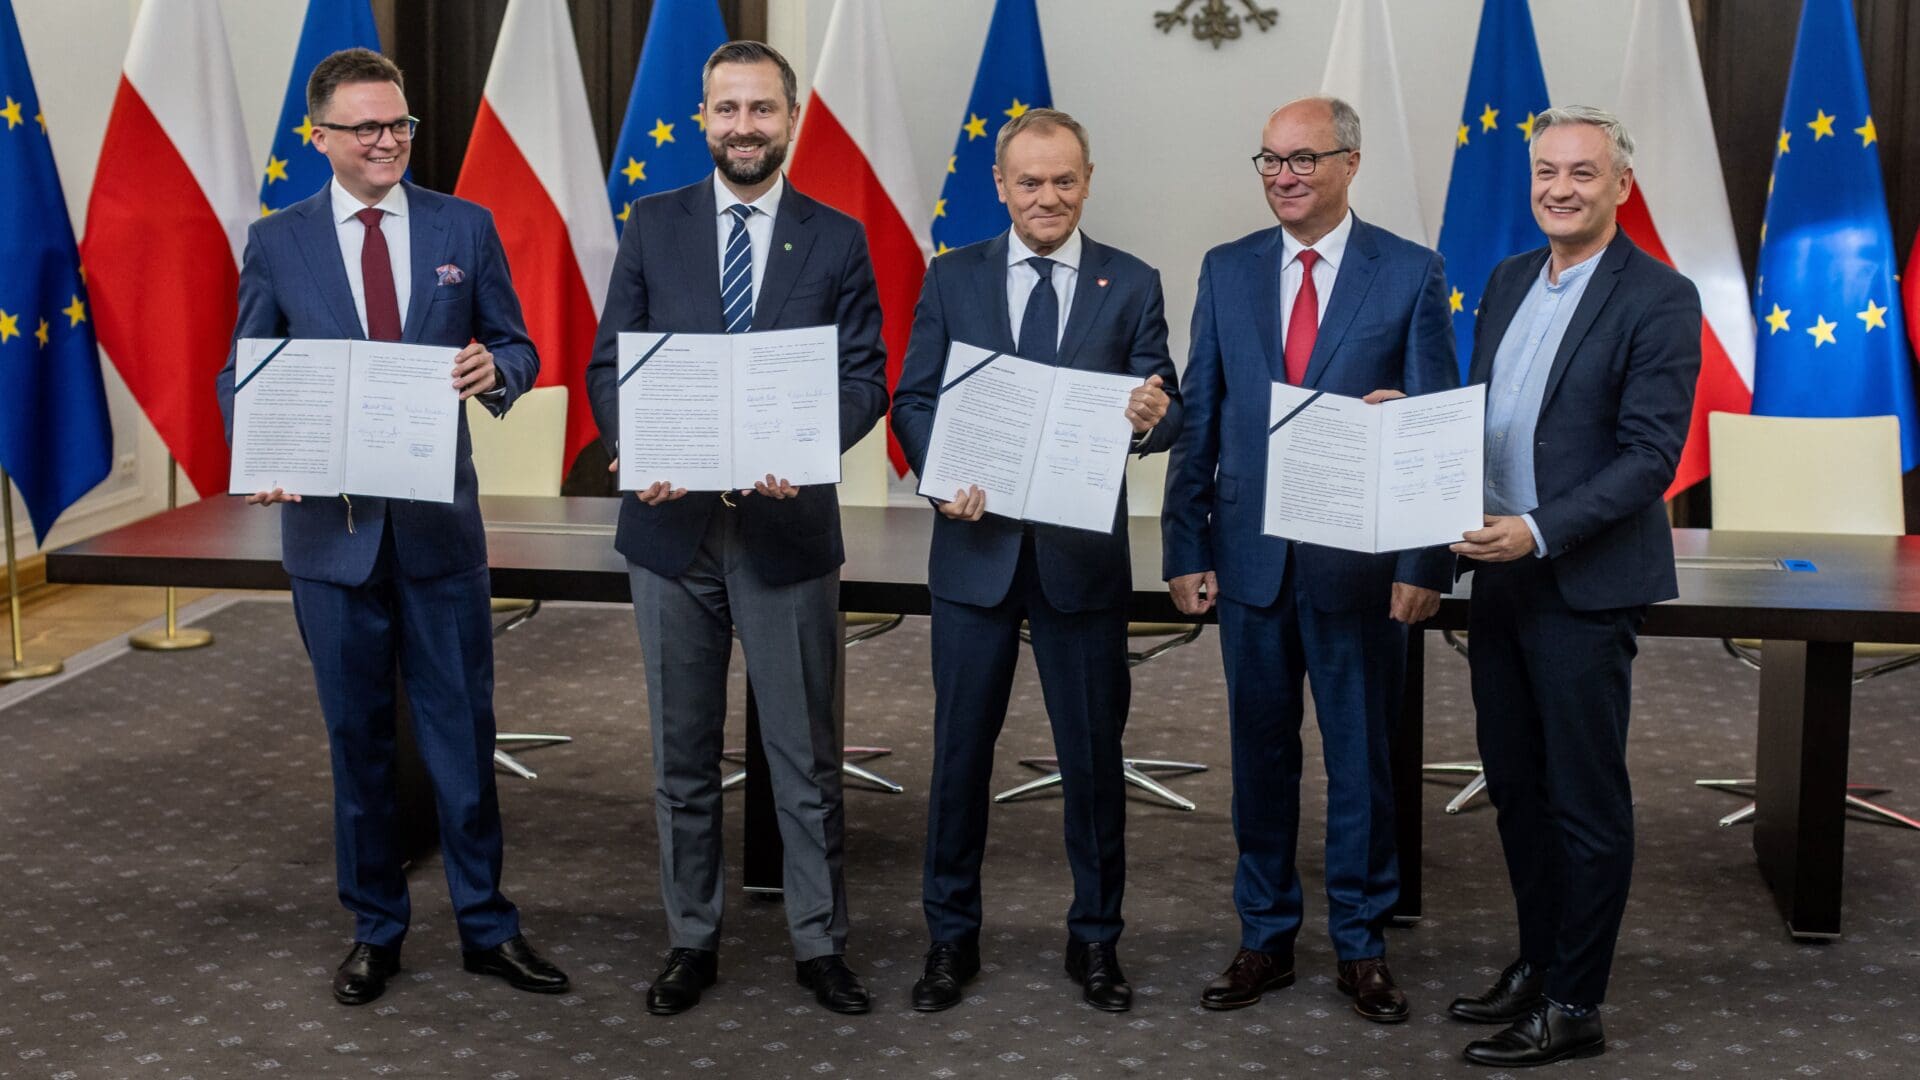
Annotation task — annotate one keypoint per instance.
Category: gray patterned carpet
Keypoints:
(166, 894)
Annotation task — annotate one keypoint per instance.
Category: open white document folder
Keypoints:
(1406, 473)
(321, 417)
(718, 412)
(1047, 444)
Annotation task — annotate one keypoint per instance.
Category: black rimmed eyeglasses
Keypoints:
(369, 132)
(1302, 163)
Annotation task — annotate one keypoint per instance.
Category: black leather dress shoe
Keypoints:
(950, 964)
(515, 961)
(833, 983)
(1251, 974)
(1370, 985)
(677, 988)
(1542, 1037)
(1096, 967)
(363, 975)
(1513, 995)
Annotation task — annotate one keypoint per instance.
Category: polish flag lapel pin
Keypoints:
(1102, 282)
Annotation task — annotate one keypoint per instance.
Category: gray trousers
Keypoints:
(791, 637)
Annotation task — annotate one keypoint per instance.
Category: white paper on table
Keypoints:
(1082, 462)
(717, 412)
(289, 416)
(403, 421)
(1403, 474)
(1045, 443)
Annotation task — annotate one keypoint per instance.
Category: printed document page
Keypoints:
(403, 421)
(786, 402)
(289, 416)
(1083, 451)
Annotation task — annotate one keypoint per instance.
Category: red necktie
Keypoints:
(1303, 323)
(376, 279)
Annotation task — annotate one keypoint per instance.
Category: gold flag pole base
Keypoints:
(173, 638)
(18, 667)
(31, 669)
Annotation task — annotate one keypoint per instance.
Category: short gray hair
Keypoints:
(1618, 141)
(1041, 120)
(1346, 121)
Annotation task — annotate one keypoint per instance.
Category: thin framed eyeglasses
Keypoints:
(369, 132)
(1302, 163)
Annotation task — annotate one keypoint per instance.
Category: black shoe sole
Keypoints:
(659, 1010)
(1128, 1007)
(1280, 983)
(1380, 1018)
(1591, 1050)
(369, 999)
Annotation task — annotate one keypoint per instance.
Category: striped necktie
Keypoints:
(736, 272)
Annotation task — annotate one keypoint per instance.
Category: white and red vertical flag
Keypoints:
(534, 162)
(853, 153)
(172, 198)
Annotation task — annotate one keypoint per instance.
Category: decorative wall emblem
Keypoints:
(1216, 21)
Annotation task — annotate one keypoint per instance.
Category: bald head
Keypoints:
(1320, 139)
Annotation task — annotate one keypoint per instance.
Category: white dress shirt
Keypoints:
(1021, 279)
(353, 237)
(1331, 249)
(759, 225)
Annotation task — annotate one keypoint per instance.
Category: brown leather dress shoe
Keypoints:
(1370, 985)
(1251, 974)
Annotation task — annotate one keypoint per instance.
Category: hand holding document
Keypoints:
(718, 412)
(319, 417)
(1046, 444)
(1402, 474)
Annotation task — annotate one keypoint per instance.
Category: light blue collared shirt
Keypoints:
(1518, 386)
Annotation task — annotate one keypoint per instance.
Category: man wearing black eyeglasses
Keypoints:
(386, 583)
(1327, 301)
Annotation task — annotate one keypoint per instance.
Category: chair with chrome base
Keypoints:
(1793, 474)
(856, 626)
(1458, 642)
(1136, 770)
(521, 453)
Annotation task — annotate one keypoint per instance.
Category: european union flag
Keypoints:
(1832, 342)
(55, 439)
(1489, 213)
(1011, 79)
(663, 142)
(294, 169)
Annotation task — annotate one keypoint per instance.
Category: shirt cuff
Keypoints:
(1539, 542)
(498, 393)
(1140, 439)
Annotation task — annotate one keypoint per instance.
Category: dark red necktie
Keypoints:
(376, 279)
(1303, 323)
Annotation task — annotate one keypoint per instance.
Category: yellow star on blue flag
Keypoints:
(1011, 78)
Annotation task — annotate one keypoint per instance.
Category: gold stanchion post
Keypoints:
(174, 638)
(21, 667)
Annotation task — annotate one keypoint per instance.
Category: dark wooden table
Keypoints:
(1863, 589)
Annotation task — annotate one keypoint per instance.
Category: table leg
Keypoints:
(1806, 690)
(1408, 749)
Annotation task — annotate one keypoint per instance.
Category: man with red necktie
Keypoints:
(380, 583)
(1326, 301)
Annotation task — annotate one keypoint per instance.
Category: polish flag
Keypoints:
(534, 162)
(1362, 71)
(854, 154)
(166, 223)
(1678, 211)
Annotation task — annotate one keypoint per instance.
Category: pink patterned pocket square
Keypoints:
(450, 274)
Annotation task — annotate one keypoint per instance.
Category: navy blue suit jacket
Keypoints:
(1117, 324)
(667, 278)
(1386, 326)
(293, 283)
(1615, 415)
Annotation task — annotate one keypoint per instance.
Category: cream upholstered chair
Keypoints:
(521, 453)
(1808, 475)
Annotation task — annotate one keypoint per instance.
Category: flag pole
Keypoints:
(21, 667)
(174, 638)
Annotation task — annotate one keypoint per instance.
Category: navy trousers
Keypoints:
(439, 632)
(1552, 688)
(1355, 662)
(1082, 658)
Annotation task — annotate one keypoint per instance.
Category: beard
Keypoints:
(749, 173)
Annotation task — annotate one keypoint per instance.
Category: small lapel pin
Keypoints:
(789, 247)
(1102, 282)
